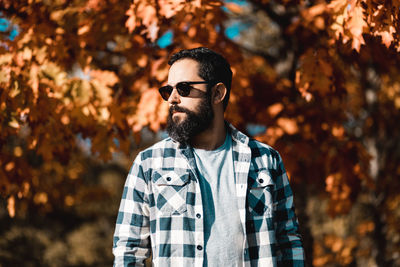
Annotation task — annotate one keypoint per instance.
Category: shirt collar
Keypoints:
(237, 135)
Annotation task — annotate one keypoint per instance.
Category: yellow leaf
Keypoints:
(11, 206)
(81, 92)
(84, 29)
(18, 151)
(60, 30)
(40, 198)
(104, 114)
(54, 72)
(397, 102)
(14, 123)
(27, 54)
(41, 54)
(34, 80)
(57, 15)
(14, 91)
(102, 93)
(6, 58)
(9, 166)
(4, 75)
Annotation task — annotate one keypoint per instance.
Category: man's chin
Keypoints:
(178, 117)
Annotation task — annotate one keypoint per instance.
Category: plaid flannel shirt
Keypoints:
(161, 209)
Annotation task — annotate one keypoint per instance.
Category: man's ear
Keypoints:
(219, 93)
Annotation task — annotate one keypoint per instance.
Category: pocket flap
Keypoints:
(171, 178)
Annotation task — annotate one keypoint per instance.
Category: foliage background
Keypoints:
(317, 80)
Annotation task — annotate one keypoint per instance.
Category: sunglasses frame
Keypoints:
(166, 90)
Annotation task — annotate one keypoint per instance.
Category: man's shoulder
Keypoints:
(259, 149)
(159, 149)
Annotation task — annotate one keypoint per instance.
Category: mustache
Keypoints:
(178, 109)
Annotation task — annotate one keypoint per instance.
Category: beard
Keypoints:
(194, 123)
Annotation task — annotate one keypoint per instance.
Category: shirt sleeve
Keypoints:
(290, 248)
(131, 244)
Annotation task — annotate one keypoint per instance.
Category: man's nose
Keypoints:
(174, 98)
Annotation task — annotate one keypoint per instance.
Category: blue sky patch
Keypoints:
(5, 25)
(166, 39)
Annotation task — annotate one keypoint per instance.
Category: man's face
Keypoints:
(190, 115)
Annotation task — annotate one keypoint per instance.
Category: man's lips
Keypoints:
(178, 114)
(176, 109)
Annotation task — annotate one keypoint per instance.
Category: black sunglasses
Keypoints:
(183, 89)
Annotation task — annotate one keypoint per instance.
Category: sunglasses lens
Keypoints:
(183, 88)
(165, 92)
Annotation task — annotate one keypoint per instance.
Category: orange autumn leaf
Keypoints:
(169, 8)
(131, 21)
(288, 125)
(233, 7)
(356, 26)
(108, 78)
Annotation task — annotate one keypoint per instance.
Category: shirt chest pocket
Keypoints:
(171, 192)
(260, 195)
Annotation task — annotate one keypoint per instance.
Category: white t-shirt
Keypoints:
(223, 232)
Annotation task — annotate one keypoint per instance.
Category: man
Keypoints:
(208, 195)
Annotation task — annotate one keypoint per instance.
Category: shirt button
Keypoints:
(198, 215)
(199, 247)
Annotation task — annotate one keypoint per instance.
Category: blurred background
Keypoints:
(317, 80)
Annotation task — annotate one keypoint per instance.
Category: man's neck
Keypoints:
(212, 138)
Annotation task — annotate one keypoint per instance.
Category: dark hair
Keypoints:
(213, 67)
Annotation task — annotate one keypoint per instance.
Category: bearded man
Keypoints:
(207, 195)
